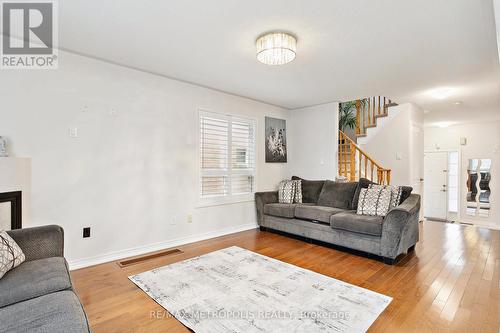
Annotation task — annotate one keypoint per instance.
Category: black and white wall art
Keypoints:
(276, 150)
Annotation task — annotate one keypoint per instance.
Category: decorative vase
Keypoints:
(3, 147)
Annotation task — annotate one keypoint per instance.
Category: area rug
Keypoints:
(236, 290)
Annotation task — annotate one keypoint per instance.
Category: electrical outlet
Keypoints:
(173, 220)
(190, 218)
(86, 232)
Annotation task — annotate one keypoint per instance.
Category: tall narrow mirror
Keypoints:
(484, 187)
(472, 178)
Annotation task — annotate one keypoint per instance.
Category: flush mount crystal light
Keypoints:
(276, 48)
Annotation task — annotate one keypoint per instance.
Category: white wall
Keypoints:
(483, 141)
(134, 164)
(397, 144)
(314, 141)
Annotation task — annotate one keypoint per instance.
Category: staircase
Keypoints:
(354, 163)
(369, 110)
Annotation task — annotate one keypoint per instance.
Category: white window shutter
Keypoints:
(227, 155)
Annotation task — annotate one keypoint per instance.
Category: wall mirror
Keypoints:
(478, 187)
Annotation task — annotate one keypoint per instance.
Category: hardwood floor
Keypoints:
(450, 283)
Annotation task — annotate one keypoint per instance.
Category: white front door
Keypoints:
(435, 181)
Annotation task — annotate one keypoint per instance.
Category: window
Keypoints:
(453, 182)
(227, 157)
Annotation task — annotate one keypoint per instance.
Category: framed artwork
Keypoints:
(276, 150)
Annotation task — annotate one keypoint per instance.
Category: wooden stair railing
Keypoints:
(354, 163)
(368, 110)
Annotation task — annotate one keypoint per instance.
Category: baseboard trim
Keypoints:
(135, 251)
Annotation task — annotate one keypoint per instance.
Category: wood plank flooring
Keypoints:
(450, 283)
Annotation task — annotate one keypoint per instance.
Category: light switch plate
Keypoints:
(73, 132)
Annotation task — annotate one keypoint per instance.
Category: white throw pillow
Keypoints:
(397, 192)
(374, 201)
(290, 191)
(11, 254)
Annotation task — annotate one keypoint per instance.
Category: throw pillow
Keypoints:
(311, 189)
(363, 183)
(374, 201)
(11, 254)
(337, 195)
(290, 191)
(397, 192)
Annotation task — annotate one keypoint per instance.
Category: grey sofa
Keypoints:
(328, 214)
(37, 296)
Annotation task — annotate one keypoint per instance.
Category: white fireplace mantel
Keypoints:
(15, 175)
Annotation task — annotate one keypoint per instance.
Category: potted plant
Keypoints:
(347, 115)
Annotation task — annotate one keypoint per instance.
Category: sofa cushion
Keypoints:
(363, 183)
(311, 189)
(362, 224)
(34, 278)
(280, 210)
(337, 194)
(56, 312)
(316, 213)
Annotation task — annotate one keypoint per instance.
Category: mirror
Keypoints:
(478, 187)
(484, 187)
(472, 187)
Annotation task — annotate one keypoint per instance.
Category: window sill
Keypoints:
(204, 203)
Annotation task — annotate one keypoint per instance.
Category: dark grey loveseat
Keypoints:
(37, 296)
(328, 214)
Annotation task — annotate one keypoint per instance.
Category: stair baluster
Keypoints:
(351, 161)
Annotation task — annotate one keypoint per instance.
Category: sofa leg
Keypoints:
(389, 261)
(411, 248)
(262, 228)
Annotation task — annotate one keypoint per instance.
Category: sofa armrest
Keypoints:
(40, 242)
(261, 199)
(400, 228)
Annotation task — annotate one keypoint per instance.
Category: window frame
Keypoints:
(229, 198)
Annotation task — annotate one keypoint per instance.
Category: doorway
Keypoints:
(435, 183)
(441, 186)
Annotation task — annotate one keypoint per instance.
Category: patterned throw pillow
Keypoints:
(290, 191)
(374, 201)
(397, 191)
(11, 254)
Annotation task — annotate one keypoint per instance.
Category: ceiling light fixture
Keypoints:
(276, 48)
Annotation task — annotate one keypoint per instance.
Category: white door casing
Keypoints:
(435, 185)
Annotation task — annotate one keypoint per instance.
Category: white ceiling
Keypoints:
(346, 49)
